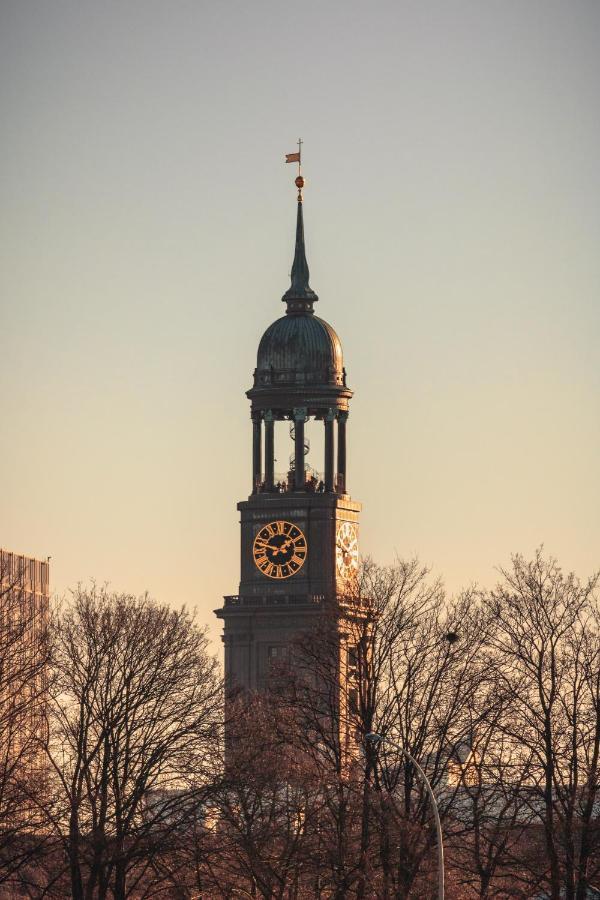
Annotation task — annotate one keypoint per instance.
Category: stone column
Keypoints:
(329, 449)
(341, 452)
(269, 450)
(256, 451)
(299, 419)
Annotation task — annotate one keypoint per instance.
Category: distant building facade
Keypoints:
(24, 612)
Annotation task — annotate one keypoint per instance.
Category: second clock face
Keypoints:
(279, 549)
(346, 550)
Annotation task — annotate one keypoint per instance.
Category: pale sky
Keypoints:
(452, 215)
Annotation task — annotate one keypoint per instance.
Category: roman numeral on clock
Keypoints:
(279, 549)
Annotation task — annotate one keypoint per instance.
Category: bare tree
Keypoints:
(383, 663)
(135, 705)
(491, 816)
(266, 807)
(423, 689)
(547, 637)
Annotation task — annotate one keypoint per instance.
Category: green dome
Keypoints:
(299, 349)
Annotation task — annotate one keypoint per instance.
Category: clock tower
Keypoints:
(299, 527)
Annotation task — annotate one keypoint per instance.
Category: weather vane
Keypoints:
(297, 157)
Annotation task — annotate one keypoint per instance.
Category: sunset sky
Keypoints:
(452, 215)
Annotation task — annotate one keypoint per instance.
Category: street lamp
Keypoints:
(379, 739)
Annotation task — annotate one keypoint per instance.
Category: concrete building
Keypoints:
(24, 608)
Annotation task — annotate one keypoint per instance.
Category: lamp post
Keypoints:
(378, 739)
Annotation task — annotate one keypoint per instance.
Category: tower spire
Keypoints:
(299, 296)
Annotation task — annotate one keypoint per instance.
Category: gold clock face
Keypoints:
(279, 549)
(346, 550)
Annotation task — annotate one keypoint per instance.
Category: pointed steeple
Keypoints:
(299, 297)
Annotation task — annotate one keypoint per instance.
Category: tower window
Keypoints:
(352, 659)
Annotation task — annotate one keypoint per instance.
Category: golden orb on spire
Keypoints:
(299, 182)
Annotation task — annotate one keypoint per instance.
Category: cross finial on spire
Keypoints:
(297, 157)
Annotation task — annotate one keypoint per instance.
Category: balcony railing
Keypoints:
(285, 482)
(275, 600)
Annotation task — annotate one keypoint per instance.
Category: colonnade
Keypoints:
(299, 417)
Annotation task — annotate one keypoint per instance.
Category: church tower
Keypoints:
(299, 528)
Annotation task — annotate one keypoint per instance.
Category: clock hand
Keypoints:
(281, 550)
